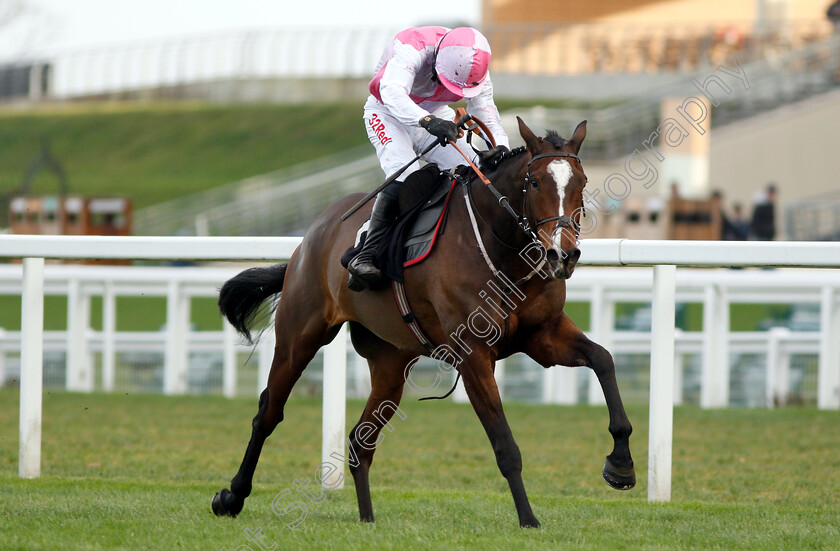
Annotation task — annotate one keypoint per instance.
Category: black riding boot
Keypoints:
(363, 269)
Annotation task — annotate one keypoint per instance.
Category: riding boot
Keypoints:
(364, 272)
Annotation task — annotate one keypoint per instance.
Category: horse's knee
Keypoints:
(600, 360)
(361, 456)
(362, 463)
(358, 467)
(509, 459)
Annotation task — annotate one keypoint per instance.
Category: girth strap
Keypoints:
(411, 320)
(408, 316)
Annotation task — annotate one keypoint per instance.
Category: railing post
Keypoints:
(36, 82)
(2, 359)
(828, 377)
(334, 408)
(177, 325)
(499, 375)
(661, 383)
(714, 382)
(559, 385)
(601, 328)
(266, 357)
(79, 376)
(679, 363)
(548, 376)
(459, 396)
(31, 367)
(778, 368)
(229, 360)
(109, 330)
(361, 375)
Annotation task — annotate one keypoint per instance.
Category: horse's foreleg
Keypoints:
(562, 343)
(618, 468)
(387, 382)
(484, 397)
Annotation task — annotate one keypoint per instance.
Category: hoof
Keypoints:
(533, 523)
(225, 504)
(619, 478)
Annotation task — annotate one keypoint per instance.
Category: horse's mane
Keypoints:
(551, 137)
(512, 153)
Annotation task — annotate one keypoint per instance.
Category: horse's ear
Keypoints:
(532, 141)
(577, 138)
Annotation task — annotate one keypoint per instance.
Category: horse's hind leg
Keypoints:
(387, 372)
(294, 349)
(484, 396)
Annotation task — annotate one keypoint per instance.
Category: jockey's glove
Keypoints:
(490, 159)
(445, 130)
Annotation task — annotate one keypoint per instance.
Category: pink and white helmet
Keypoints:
(463, 56)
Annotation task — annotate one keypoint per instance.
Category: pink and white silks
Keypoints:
(403, 91)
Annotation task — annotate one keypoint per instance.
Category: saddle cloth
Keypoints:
(422, 219)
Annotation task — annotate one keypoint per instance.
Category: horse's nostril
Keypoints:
(571, 255)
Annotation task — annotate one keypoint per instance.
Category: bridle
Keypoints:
(522, 221)
(563, 221)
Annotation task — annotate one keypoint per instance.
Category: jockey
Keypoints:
(418, 76)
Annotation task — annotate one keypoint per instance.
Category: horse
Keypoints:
(541, 185)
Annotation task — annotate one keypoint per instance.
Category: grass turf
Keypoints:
(138, 472)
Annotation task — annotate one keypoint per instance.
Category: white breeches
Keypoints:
(396, 144)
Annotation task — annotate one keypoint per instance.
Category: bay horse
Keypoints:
(543, 183)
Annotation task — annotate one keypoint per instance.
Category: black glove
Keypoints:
(488, 160)
(442, 128)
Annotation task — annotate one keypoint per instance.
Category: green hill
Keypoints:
(155, 152)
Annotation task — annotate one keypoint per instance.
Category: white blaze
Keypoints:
(561, 172)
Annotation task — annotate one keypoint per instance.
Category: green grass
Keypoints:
(137, 472)
(133, 313)
(153, 152)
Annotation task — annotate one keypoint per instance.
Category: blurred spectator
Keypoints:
(735, 227)
(717, 205)
(763, 224)
(732, 228)
(833, 15)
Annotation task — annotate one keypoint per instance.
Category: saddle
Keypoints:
(424, 200)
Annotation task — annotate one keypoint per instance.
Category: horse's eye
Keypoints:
(534, 182)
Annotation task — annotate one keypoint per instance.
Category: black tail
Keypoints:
(242, 295)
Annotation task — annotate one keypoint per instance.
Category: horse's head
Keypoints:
(554, 182)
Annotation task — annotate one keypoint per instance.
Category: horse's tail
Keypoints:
(241, 296)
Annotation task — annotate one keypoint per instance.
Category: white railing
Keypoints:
(663, 255)
(82, 358)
